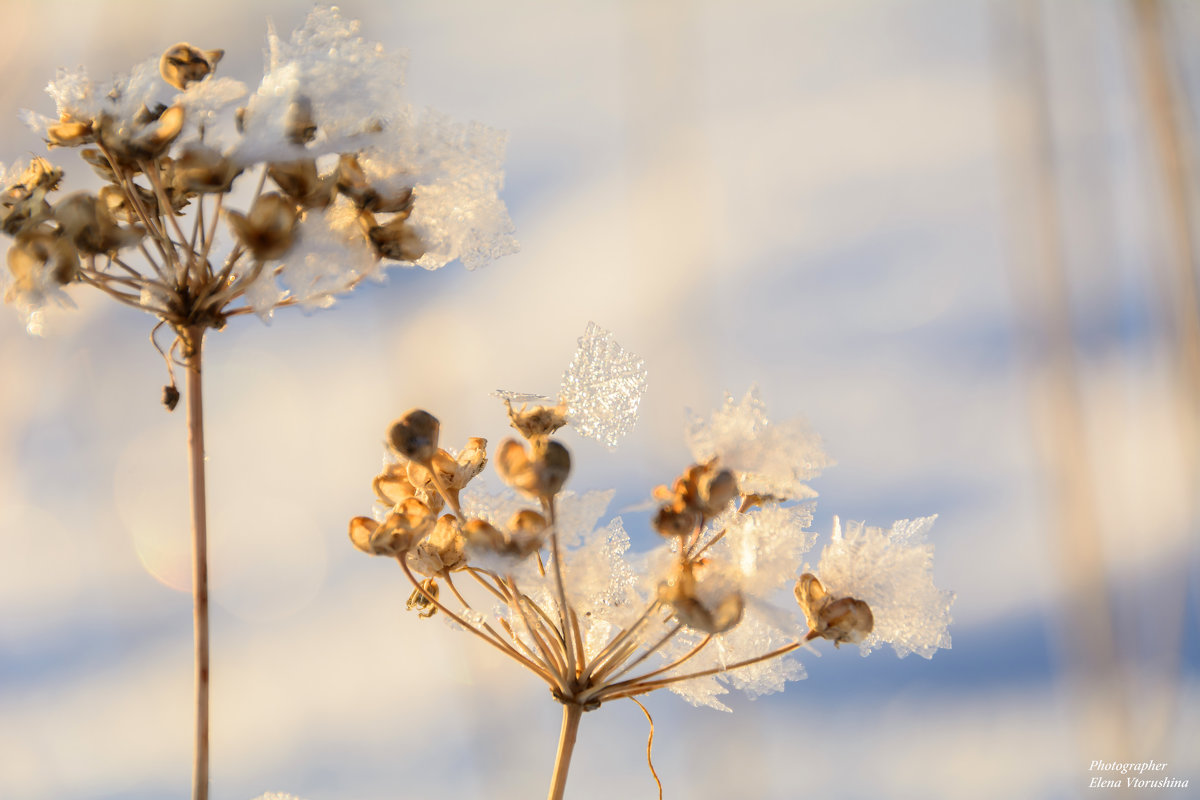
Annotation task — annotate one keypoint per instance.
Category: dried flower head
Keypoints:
(408, 186)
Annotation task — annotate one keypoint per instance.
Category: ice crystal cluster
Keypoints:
(222, 199)
(540, 574)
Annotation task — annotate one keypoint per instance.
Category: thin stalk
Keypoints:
(497, 643)
(650, 686)
(651, 651)
(618, 640)
(193, 347)
(564, 611)
(566, 746)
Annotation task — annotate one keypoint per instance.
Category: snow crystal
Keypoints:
(702, 692)
(578, 514)
(764, 546)
(892, 571)
(603, 387)
(769, 459)
(456, 172)
(323, 262)
(349, 81)
(599, 581)
(74, 94)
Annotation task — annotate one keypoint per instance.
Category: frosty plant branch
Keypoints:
(219, 201)
(563, 598)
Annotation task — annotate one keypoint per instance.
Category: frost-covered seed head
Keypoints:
(843, 620)
(396, 240)
(676, 518)
(892, 570)
(90, 226)
(701, 602)
(202, 169)
(300, 181)
(41, 258)
(142, 138)
(182, 65)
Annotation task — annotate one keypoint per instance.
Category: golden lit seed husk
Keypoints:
(676, 519)
(843, 620)
(300, 181)
(182, 64)
(86, 220)
(268, 231)
(441, 551)
(415, 436)
(396, 240)
(680, 592)
(201, 169)
(42, 252)
(69, 133)
(540, 474)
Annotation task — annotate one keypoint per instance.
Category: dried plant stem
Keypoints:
(625, 689)
(193, 347)
(566, 746)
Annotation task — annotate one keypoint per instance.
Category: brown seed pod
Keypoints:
(841, 620)
(396, 240)
(69, 133)
(415, 436)
(91, 227)
(201, 169)
(182, 64)
(711, 608)
(268, 231)
(40, 256)
(441, 551)
(540, 474)
(300, 181)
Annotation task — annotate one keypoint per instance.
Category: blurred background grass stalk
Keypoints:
(1126, 695)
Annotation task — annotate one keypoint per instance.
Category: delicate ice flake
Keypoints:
(892, 571)
(764, 546)
(456, 172)
(74, 94)
(702, 692)
(578, 515)
(522, 397)
(601, 580)
(603, 387)
(323, 262)
(769, 459)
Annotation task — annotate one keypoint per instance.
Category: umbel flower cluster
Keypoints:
(213, 199)
(218, 199)
(562, 595)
